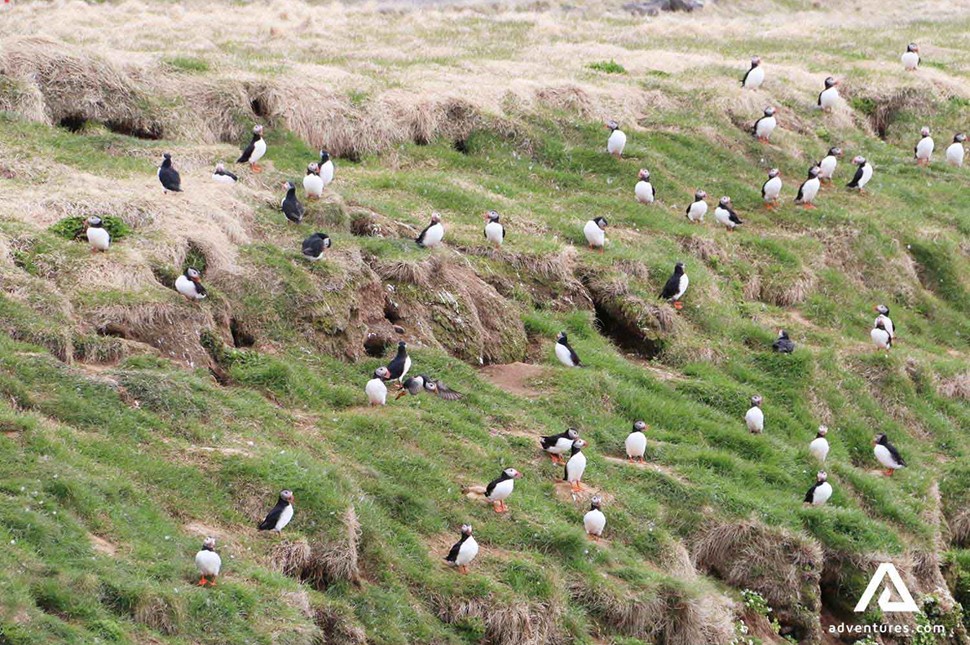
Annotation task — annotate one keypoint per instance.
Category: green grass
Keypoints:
(607, 67)
(187, 64)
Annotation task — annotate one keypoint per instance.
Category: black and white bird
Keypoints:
(400, 364)
(98, 236)
(771, 189)
(754, 418)
(676, 286)
(290, 205)
(439, 389)
(829, 97)
(255, 150)
(910, 57)
(955, 152)
(755, 75)
(208, 562)
(617, 140)
(809, 188)
(463, 551)
(575, 466)
(594, 521)
(764, 126)
(923, 150)
(862, 174)
(376, 389)
(565, 353)
(189, 284)
(783, 344)
(222, 176)
(886, 454)
(820, 492)
(169, 176)
(432, 234)
(497, 490)
(819, 447)
(558, 445)
(829, 163)
(413, 385)
(880, 336)
(494, 231)
(326, 168)
(315, 245)
(595, 232)
(644, 189)
(883, 312)
(697, 209)
(281, 514)
(725, 214)
(312, 182)
(636, 442)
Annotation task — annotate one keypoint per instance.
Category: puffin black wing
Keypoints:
(313, 246)
(293, 209)
(274, 515)
(552, 440)
(895, 453)
(170, 179)
(763, 189)
(856, 178)
(745, 79)
(446, 393)
(800, 195)
(734, 216)
(226, 173)
(492, 484)
(199, 289)
(248, 152)
(820, 97)
(810, 495)
(420, 238)
(754, 128)
(453, 554)
(671, 288)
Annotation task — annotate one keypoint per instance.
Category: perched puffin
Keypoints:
(497, 490)
(887, 454)
(413, 385)
(594, 521)
(910, 57)
(375, 389)
(433, 233)
(576, 466)
(764, 126)
(222, 176)
(595, 232)
(883, 312)
(923, 151)
(783, 344)
(819, 447)
(463, 551)
(676, 286)
(809, 189)
(636, 442)
(828, 164)
(326, 168)
(697, 208)
(494, 231)
(771, 189)
(169, 176)
(315, 245)
(862, 174)
(725, 215)
(754, 418)
(208, 562)
(880, 336)
(820, 492)
(954, 152)
(755, 75)
(617, 140)
(566, 355)
(255, 150)
(559, 444)
(281, 514)
(312, 183)
(439, 389)
(290, 205)
(98, 237)
(189, 284)
(644, 189)
(829, 97)
(400, 364)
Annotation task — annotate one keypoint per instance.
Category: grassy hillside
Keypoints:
(133, 423)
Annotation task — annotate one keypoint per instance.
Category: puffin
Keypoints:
(595, 232)
(754, 418)
(575, 466)
(644, 189)
(400, 364)
(497, 490)
(432, 234)
(439, 389)
(887, 454)
(771, 189)
(290, 205)
(697, 209)
(828, 164)
(880, 336)
(883, 312)
(910, 57)
(923, 151)
(755, 75)
(819, 447)
(98, 237)
(636, 442)
(189, 284)
(594, 521)
(314, 246)
(281, 514)
(169, 176)
(255, 150)
(494, 231)
(820, 492)
(954, 152)
(312, 183)
(566, 354)
(559, 444)
(208, 562)
(764, 126)
(862, 174)
(375, 389)
(326, 168)
(809, 188)
(676, 286)
(463, 551)
(829, 97)
(413, 385)
(617, 140)
(783, 344)
(725, 215)
(222, 176)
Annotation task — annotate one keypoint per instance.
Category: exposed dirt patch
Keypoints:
(564, 493)
(206, 530)
(516, 378)
(659, 468)
(102, 546)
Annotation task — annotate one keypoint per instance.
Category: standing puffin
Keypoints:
(463, 551)
(754, 418)
(755, 75)
(290, 205)
(725, 215)
(432, 234)
(883, 312)
(862, 174)
(594, 521)
(255, 150)
(819, 447)
(314, 246)
(559, 444)
(281, 514)
(955, 152)
(820, 492)
(98, 237)
(595, 232)
(566, 355)
(617, 140)
(169, 176)
(809, 189)
(676, 286)
(880, 336)
(400, 364)
(829, 97)
(697, 208)
(828, 164)
(644, 189)
(764, 126)
(636, 442)
(375, 389)
(208, 562)
(312, 183)
(497, 490)
(771, 189)
(783, 344)
(887, 454)
(923, 151)
(494, 231)
(326, 168)
(189, 284)
(910, 57)
(576, 466)
(222, 176)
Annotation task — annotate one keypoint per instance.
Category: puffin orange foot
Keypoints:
(202, 581)
(678, 305)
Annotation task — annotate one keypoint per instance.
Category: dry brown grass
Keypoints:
(524, 623)
(956, 386)
(337, 559)
(338, 627)
(163, 613)
(290, 557)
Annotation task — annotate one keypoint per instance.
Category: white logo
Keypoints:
(906, 604)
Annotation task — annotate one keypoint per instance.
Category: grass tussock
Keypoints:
(566, 98)
(955, 387)
(337, 560)
(291, 557)
(337, 625)
(162, 612)
(523, 623)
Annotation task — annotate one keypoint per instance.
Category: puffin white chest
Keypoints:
(810, 190)
(866, 175)
(754, 418)
(819, 448)
(924, 149)
(575, 467)
(563, 445)
(220, 178)
(636, 444)
(502, 490)
(285, 516)
(697, 211)
(494, 233)
(259, 149)
(829, 98)
(187, 288)
(755, 78)
(827, 167)
(594, 522)
(887, 323)
(595, 236)
(616, 142)
(376, 391)
(772, 188)
(681, 287)
(313, 185)
(99, 238)
(434, 235)
(880, 338)
(822, 494)
(954, 154)
(765, 127)
(566, 358)
(326, 173)
(467, 552)
(644, 192)
(910, 60)
(208, 562)
(723, 217)
(885, 457)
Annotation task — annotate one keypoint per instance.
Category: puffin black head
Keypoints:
(572, 433)
(725, 201)
(769, 111)
(594, 504)
(578, 444)
(492, 216)
(512, 473)
(601, 222)
(193, 274)
(830, 82)
(287, 496)
(612, 125)
(466, 529)
(401, 345)
(859, 160)
(644, 174)
(639, 425)
(882, 309)
(258, 131)
(782, 334)
(959, 137)
(435, 217)
(166, 160)
(220, 167)
(94, 221)
(835, 151)
(755, 61)
(822, 431)
(313, 168)
(774, 172)
(912, 47)
(679, 267)
(821, 476)
(324, 157)
(382, 373)
(561, 338)
(924, 131)
(880, 439)
(813, 172)
(700, 196)
(756, 400)
(288, 186)
(209, 544)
